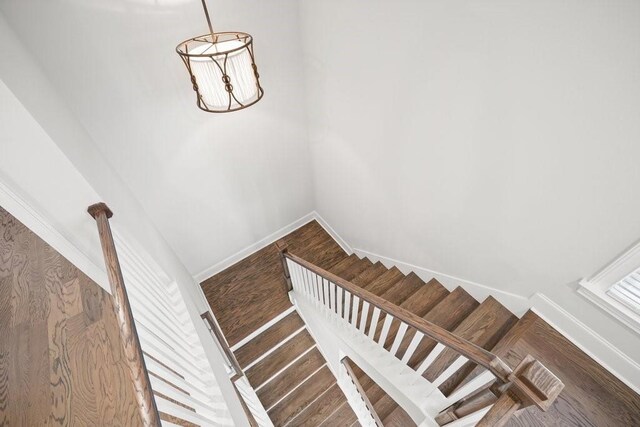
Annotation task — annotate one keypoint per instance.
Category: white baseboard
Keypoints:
(242, 254)
(598, 348)
(343, 244)
(43, 228)
(516, 303)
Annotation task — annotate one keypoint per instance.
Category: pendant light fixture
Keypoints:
(222, 69)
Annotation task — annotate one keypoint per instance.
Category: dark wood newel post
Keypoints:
(128, 334)
(530, 384)
(282, 248)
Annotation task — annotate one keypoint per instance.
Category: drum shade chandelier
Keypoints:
(222, 69)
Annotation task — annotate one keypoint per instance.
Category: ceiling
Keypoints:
(213, 184)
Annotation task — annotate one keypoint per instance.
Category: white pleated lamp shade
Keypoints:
(223, 71)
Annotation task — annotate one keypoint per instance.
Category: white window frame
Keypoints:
(595, 288)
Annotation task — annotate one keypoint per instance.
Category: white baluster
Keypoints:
(354, 310)
(412, 346)
(399, 337)
(325, 289)
(374, 322)
(439, 348)
(457, 364)
(339, 301)
(332, 295)
(385, 329)
(363, 316)
(347, 305)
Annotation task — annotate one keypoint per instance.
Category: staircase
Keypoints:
(291, 377)
(483, 324)
(421, 353)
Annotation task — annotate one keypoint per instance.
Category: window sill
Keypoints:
(598, 296)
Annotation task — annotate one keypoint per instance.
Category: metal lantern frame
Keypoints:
(220, 58)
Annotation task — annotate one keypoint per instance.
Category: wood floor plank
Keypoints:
(283, 383)
(342, 417)
(296, 402)
(257, 282)
(268, 339)
(321, 409)
(61, 361)
(592, 395)
(279, 358)
(385, 406)
(398, 418)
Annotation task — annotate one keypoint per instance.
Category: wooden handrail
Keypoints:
(128, 334)
(347, 364)
(469, 350)
(215, 329)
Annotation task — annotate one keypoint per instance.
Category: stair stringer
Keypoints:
(336, 339)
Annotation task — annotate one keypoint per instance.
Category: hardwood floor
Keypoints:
(60, 357)
(592, 396)
(248, 294)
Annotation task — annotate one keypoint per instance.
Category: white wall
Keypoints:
(492, 141)
(212, 184)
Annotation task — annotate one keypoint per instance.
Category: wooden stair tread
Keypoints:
(384, 282)
(484, 327)
(448, 314)
(369, 274)
(290, 378)
(268, 339)
(341, 417)
(281, 357)
(379, 286)
(326, 255)
(425, 298)
(500, 349)
(398, 418)
(419, 303)
(341, 266)
(384, 406)
(355, 269)
(374, 392)
(289, 407)
(320, 409)
(403, 289)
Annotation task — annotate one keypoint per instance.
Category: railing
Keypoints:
(221, 342)
(179, 379)
(128, 334)
(353, 379)
(529, 384)
(252, 406)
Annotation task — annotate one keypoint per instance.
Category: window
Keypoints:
(627, 291)
(616, 289)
